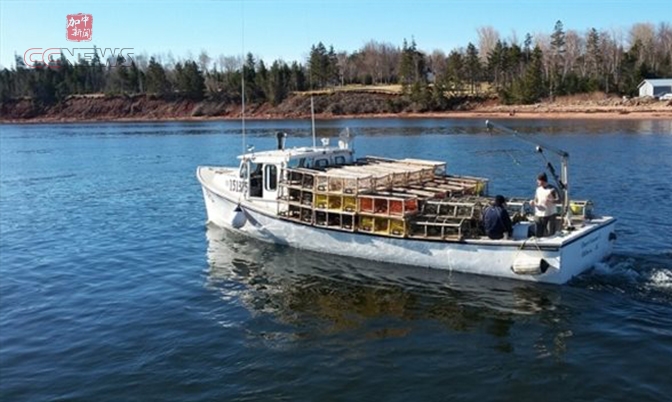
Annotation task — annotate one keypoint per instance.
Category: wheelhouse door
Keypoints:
(270, 182)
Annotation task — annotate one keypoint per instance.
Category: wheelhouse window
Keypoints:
(271, 177)
(255, 169)
(339, 160)
(255, 186)
(320, 163)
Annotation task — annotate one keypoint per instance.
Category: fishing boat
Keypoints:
(408, 211)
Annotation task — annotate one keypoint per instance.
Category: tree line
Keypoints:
(541, 66)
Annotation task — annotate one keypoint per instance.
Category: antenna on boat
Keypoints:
(540, 147)
(312, 117)
(242, 82)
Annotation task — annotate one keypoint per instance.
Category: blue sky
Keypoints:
(286, 29)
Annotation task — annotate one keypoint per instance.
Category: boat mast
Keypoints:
(563, 182)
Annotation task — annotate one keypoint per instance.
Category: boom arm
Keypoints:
(564, 160)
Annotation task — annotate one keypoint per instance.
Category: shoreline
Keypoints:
(333, 106)
(474, 114)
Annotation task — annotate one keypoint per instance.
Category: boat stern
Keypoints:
(593, 244)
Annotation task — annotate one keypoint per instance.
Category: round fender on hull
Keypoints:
(238, 219)
(529, 266)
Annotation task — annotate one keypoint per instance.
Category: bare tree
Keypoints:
(642, 36)
(544, 42)
(231, 63)
(642, 32)
(169, 61)
(371, 60)
(664, 41)
(437, 63)
(611, 47)
(487, 39)
(389, 61)
(204, 60)
(513, 38)
(574, 49)
(342, 64)
(142, 61)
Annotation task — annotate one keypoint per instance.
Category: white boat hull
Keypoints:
(565, 257)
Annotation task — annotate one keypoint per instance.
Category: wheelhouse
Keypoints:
(259, 172)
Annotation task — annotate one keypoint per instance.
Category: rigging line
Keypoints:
(516, 161)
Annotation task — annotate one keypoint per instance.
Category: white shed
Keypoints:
(655, 87)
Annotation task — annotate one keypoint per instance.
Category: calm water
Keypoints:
(113, 289)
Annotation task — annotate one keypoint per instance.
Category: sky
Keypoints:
(286, 29)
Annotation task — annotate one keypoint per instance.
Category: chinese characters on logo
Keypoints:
(79, 27)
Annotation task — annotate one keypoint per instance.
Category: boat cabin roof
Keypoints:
(285, 155)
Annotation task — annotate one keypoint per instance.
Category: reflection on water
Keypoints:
(337, 294)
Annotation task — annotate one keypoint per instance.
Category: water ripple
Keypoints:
(112, 288)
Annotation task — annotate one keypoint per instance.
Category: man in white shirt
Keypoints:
(544, 202)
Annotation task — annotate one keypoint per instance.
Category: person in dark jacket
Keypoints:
(496, 219)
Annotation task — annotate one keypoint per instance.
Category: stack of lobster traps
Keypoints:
(396, 198)
(452, 218)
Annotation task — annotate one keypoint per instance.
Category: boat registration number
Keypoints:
(237, 186)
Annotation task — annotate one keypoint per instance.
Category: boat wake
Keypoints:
(644, 277)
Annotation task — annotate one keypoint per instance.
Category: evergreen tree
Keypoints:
(278, 83)
(412, 68)
(532, 87)
(515, 63)
(297, 78)
(332, 67)
(406, 66)
(497, 64)
(593, 58)
(5, 85)
(42, 88)
(121, 81)
(262, 82)
(97, 73)
(473, 66)
(631, 71)
(455, 72)
(318, 64)
(250, 76)
(135, 78)
(527, 47)
(557, 59)
(189, 80)
(62, 79)
(157, 83)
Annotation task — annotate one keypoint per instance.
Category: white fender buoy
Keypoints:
(238, 219)
(529, 266)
